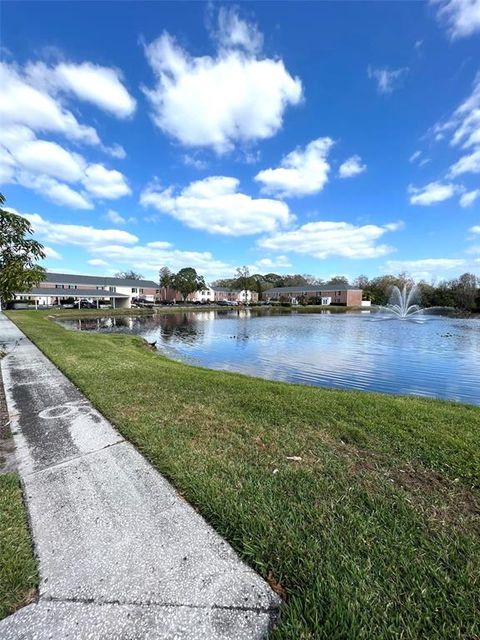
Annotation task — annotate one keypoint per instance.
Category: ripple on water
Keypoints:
(439, 358)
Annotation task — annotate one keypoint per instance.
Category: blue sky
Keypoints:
(323, 138)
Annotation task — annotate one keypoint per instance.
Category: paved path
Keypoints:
(121, 555)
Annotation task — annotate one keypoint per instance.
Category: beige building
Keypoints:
(330, 293)
(118, 292)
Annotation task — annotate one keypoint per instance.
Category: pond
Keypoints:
(438, 359)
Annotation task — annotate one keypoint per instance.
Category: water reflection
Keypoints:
(437, 359)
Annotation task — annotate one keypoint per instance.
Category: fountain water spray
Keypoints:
(404, 305)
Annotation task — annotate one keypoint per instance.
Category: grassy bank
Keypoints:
(18, 573)
(361, 509)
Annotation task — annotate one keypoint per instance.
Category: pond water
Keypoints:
(440, 358)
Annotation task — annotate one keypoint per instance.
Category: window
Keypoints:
(134, 290)
(112, 289)
(141, 290)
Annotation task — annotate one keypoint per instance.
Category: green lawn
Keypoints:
(373, 534)
(18, 573)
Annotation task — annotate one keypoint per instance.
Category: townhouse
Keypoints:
(329, 293)
(118, 292)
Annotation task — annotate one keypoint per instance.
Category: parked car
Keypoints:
(87, 304)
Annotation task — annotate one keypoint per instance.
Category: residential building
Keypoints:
(119, 292)
(234, 295)
(330, 293)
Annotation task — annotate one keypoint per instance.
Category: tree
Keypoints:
(186, 281)
(243, 280)
(464, 291)
(165, 278)
(339, 280)
(19, 254)
(129, 275)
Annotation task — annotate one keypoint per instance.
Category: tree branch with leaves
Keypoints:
(19, 254)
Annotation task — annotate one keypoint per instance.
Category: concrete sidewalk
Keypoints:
(121, 555)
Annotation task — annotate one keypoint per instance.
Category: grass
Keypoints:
(371, 532)
(18, 573)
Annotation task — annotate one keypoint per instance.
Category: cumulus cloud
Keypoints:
(475, 229)
(302, 172)
(101, 86)
(460, 17)
(324, 239)
(217, 206)
(105, 183)
(351, 167)
(22, 103)
(469, 197)
(217, 101)
(46, 166)
(119, 249)
(76, 234)
(387, 79)
(466, 164)
(432, 193)
(53, 190)
(42, 156)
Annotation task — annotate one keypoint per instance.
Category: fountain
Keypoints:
(404, 305)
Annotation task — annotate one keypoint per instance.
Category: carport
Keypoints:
(117, 300)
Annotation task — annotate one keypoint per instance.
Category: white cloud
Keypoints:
(52, 254)
(387, 79)
(118, 249)
(105, 183)
(234, 32)
(351, 167)
(267, 264)
(461, 17)
(75, 234)
(53, 190)
(323, 239)
(464, 123)
(468, 198)
(42, 156)
(149, 259)
(217, 101)
(98, 262)
(301, 172)
(466, 164)
(432, 193)
(116, 218)
(215, 205)
(41, 165)
(101, 86)
(21, 103)
(191, 161)
(426, 269)
(415, 156)
(475, 229)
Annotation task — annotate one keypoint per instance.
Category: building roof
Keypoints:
(72, 293)
(309, 288)
(105, 281)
